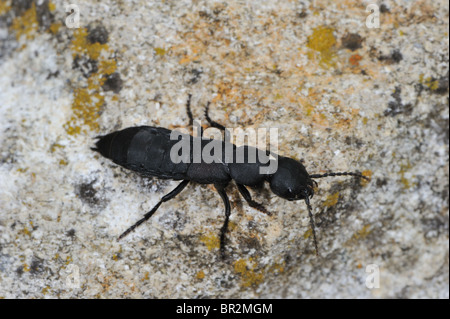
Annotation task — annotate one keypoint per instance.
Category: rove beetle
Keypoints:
(146, 150)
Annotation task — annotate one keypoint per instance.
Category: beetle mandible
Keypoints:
(146, 149)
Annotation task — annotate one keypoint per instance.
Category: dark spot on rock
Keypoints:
(88, 194)
(384, 8)
(438, 123)
(113, 83)
(248, 243)
(20, 6)
(226, 282)
(204, 14)
(444, 193)
(70, 233)
(352, 41)
(36, 266)
(442, 85)
(287, 259)
(188, 241)
(397, 107)
(394, 57)
(326, 217)
(195, 76)
(19, 271)
(218, 9)
(85, 65)
(53, 75)
(346, 203)
(434, 227)
(381, 182)
(303, 14)
(353, 141)
(44, 16)
(97, 34)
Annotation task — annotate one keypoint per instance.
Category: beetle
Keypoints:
(146, 150)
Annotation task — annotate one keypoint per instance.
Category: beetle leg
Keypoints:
(188, 110)
(167, 197)
(221, 190)
(191, 117)
(215, 124)
(246, 194)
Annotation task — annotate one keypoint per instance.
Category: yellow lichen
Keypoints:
(331, 200)
(55, 146)
(403, 169)
(211, 241)
(80, 44)
(26, 24)
(107, 67)
(278, 96)
(51, 6)
(200, 275)
(247, 271)
(323, 41)
(45, 290)
(362, 233)
(277, 268)
(429, 82)
(309, 109)
(5, 6)
(87, 101)
(307, 234)
(26, 231)
(86, 107)
(367, 173)
(160, 51)
(232, 226)
(54, 27)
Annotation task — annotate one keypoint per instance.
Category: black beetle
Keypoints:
(146, 150)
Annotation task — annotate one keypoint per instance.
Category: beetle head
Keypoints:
(291, 181)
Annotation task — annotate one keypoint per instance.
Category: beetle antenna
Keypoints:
(356, 174)
(311, 222)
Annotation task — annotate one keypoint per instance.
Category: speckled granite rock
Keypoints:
(343, 96)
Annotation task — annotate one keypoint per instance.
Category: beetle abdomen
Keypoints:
(143, 149)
